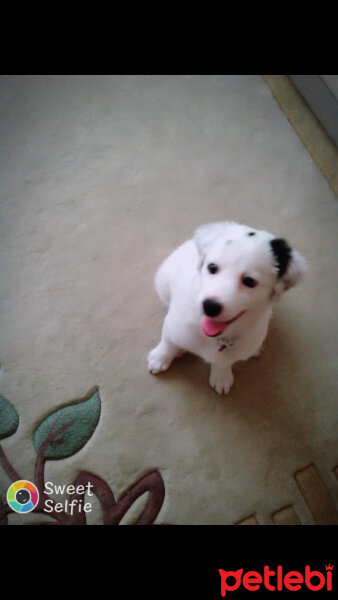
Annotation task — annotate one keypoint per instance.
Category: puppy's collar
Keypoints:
(225, 342)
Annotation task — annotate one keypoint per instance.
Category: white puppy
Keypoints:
(220, 288)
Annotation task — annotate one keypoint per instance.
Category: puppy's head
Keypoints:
(241, 269)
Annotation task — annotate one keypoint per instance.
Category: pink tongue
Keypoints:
(212, 328)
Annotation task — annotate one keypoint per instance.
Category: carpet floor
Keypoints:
(102, 177)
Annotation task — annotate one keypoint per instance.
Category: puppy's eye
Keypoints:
(249, 282)
(212, 268)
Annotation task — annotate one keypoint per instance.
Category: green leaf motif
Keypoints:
(9, 419)
(68, 429)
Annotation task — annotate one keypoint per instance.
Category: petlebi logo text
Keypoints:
(72, 504)
(277, 580)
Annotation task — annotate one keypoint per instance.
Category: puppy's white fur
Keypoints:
(183, 282)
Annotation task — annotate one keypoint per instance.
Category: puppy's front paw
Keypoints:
(221, 380)
(157, 361)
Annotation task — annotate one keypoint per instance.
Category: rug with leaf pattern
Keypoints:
(101, 178)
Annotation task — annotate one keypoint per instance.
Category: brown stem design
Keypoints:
(6, 465)
(62, 517)
(4, 510)
(114, 511)
(101, 490)
(41, 460)
(152, 483)
(12, 474)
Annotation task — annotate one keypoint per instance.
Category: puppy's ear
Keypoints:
(206, 234)
(290, 265)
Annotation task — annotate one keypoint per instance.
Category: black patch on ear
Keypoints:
(282, 254)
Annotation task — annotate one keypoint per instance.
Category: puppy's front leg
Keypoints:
(221, 377)
(161, 357)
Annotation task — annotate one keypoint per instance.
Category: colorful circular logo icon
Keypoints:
(22, 496)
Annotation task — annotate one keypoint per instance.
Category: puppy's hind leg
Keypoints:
(161, 357)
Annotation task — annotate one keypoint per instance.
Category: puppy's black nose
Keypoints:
(211, 308)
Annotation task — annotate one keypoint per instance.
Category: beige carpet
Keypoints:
(101, 178)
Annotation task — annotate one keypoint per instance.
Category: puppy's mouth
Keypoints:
(211, 328)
